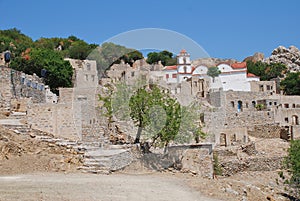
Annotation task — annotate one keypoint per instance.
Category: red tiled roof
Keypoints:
(171, 68)
(233, 72)
(239, 65)
(183, 51)
(251, 75)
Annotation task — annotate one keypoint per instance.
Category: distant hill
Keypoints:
(212, 62)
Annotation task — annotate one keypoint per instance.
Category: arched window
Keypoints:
(240, 106)
(295, 120)
(184, 69)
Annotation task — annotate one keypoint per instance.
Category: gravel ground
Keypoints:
(89, 187)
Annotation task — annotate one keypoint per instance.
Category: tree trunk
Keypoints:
(138, 135)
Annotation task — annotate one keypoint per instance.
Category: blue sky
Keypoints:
(225, 29)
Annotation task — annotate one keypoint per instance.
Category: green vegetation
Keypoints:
(165, 57)
(59, 71)
(190, 127)
(130, 57)
(14, 41)
(107, 103)
(217, 169)
(292, 164)
(213, 72)
(48, 53)
(151, 103)
(266, 71)
(291, 84)
(260, 107)
(108, 54)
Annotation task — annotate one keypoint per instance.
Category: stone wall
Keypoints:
(5, 89)
(57, 119)
(17, 85)
(251, 164)
(266, 131)
(196, 159)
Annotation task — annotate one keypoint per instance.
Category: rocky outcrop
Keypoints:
(258, 56)
(212, 62)
(288, 56)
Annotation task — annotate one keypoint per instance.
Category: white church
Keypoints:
(232, 77)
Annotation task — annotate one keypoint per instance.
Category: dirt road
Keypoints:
(89, 187)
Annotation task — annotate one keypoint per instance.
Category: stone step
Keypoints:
(94, 170)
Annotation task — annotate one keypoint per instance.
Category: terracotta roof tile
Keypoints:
(171, 68)
(239, 65)
(251, 75)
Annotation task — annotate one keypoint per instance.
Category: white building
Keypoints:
(232, 77)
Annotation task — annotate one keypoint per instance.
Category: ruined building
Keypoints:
(235, 104)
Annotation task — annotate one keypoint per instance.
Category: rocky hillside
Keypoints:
(211, 62)
(288, 56)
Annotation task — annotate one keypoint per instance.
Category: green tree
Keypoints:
(190, 126)
(293, 165)
(106, 54)
(291, 84)
(107, 103)
(213, 72)
(59, 71)
(130, 57)
(80, 50)
(165, 57)
(15, 41)
(148, 103)
(266, 71)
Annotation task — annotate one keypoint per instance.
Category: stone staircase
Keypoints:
(105, 160)
(99, 156)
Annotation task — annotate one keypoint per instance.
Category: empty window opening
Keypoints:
(88, 66)
(261, 87)
(286, 119)
(223, 141)
(123, 74)
(253, 103)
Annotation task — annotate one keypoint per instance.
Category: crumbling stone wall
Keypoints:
(251, 164)
(266, 131)
(196, 159)
(17, 85)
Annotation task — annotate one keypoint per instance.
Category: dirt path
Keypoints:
(81, 187)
